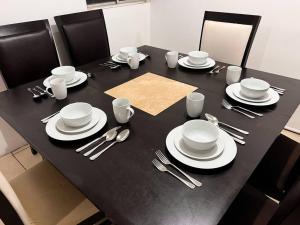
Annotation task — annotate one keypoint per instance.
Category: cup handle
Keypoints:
(129, 60)
(131, 112)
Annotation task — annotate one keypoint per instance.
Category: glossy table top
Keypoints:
(123, 182)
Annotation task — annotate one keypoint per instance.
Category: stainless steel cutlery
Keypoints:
(215, 120)
(230, 107)
(97, 139)
(45, 91)
(212, 71)
(233, 107)
(122, 136)
(46, 119)
(166, 161)
(162, 168)
(112, 65)
(111, 135)
(34, 95)
(219, 70)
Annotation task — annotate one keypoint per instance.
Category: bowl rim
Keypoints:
(198, 56)
(63, 115)
(255, 88)
(202, 121)
(56, 71)
(127, 47)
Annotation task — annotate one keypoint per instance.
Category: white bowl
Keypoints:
(65, 72)
(125, 51)
(197, 57)
(76, 114)
(200, 134)
(254, 88)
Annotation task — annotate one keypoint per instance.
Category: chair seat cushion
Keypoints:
(49, 198)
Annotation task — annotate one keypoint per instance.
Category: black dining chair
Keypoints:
(27, 52)
(252, 207)
(84, 35)
(279, 168)
(228, 37)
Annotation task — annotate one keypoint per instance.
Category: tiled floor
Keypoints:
(15, 163)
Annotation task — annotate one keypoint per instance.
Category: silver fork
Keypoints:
(110, 64)
(247, 110)
(162, 168)
(166, 161)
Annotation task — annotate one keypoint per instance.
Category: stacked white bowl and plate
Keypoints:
(197, 60)
(122, 55)
(69, 74)
(252, 91)
(201, 144)
(76, 121)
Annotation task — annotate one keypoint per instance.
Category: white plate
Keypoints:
(80, 76)
(183, 62)
(55, 134)
(273, 94)
(60, 125)
(237, 93)
(116, 58)
(200, 155)
(229, 152)
(75, 79)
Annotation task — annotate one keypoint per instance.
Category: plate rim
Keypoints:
(232, 152)
(272, 101)
(181, 63)
(77, 132)
(221, 144)
(74, 137)
(245, 99)
(81, 80)
(115, 58)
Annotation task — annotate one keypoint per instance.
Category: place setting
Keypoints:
(126, 55)
(249, 91)
(197, 60)
(69, 74)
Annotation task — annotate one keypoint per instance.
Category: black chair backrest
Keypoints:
(8, 215)
(288, 212)
(84, 35)
(27, 52)
(252, 20)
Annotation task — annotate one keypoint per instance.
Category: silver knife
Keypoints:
(97, 139)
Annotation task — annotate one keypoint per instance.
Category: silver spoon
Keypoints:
(214, 119)
(35, 96)
(235, 137)
(120, 138)
(111, 135)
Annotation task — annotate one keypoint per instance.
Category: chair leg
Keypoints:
(34, 152)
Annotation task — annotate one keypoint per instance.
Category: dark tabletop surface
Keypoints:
(123, 182)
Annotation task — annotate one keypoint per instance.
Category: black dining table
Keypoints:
(123, 182)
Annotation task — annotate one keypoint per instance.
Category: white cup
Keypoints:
(194, 104)
(233, 74)
(133, 60)
(172, 59)
(58, 87)
(122, 110)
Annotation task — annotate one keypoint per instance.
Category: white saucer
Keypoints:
(183, 62)
(55, 134)
(274, 96)
(79, 76)
(229, 152)
(117, 59)
(200, 155)
(237, 93)
(60, 125)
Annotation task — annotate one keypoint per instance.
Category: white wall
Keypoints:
(176, 24)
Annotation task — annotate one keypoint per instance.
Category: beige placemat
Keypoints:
(152, 93)
(294, 122)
